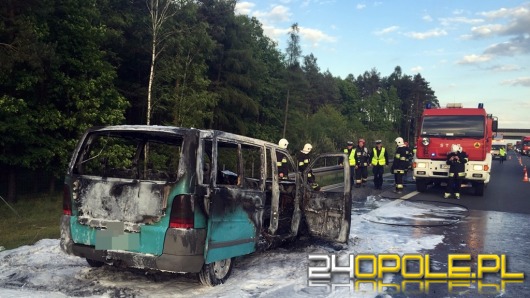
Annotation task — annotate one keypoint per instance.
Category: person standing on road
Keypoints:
(456, 159)
(362, 159)
(351, 160)
(502, 154)
(379, 160)
(283, 167)
(401, 163)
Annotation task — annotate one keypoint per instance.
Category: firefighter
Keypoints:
(379, 160)
(361, 161)
(303, 161)
(283, 168)
(351, 159)
(401, 163)
(456, 159)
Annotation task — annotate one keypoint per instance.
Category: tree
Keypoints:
(183, 83)
(160, 11)
(57, 79)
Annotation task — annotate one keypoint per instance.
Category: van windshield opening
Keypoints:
(457, 126)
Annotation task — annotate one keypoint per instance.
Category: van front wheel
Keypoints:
(215, 273)
(94, 263)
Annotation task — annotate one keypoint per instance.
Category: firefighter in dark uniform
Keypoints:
(379, 160)
(303, 161)
(456, 159)
(401, 163)
(361, 162)
(283, 168)
(351, 159)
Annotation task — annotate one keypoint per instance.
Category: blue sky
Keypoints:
(469, 51)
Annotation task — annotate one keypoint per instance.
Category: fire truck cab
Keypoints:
(471, 128)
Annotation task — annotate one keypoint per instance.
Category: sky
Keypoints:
(470, 52)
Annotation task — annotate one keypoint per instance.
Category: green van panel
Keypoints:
(230, 234)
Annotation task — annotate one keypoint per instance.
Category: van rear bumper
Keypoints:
(164, 262)
(183, 251)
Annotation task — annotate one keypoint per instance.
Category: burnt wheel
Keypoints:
(94, 263)
(216, 273)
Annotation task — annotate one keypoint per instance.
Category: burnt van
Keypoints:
(187, 200)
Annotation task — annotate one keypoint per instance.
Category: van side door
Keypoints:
(236, 199)
(327, 211)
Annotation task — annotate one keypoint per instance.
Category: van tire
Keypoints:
(216, 273)
(94, 263)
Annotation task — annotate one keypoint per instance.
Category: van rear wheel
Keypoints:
(94, 263)
(216, 273)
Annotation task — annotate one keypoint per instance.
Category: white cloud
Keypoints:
(487, 30)
(360, 6)
(278, 13)
(315, 36)
(386, 30)
(427, 34)
(427, 18)
(515, 46)
(275, 33)
(244, 8)
(474, 59)
(459, 20)
(416, 69)
(505, 68)
(506, 12)
(511, 21)
(522, 81)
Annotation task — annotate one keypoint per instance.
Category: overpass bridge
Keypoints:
(513, 133)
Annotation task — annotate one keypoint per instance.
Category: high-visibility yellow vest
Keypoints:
(351, 157)
(379, 160)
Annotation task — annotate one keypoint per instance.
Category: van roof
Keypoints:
(179, 130)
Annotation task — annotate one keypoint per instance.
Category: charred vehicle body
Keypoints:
(189, 201)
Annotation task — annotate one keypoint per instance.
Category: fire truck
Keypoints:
(471, 128)
(525, 145)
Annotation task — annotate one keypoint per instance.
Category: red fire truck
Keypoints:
(471, 128)
(525, 145)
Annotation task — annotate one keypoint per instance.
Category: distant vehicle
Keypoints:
(495, 148)
(525, 145)
(471, 128)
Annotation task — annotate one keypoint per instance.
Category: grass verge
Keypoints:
(38, 218)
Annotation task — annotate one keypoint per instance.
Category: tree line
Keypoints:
(67, 65)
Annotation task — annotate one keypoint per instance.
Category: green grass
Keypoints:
(38, 218)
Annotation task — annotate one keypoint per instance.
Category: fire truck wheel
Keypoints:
(421, 185)
(479, 188)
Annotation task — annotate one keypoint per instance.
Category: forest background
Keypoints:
(67, 65)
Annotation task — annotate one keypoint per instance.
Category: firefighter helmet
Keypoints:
(283, 143)
(307, 148)
(400, 142)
